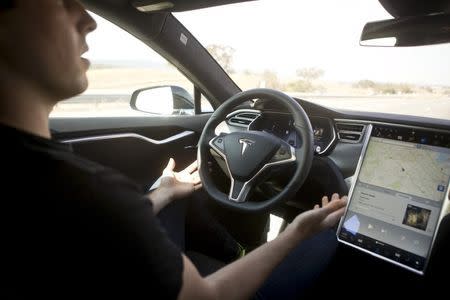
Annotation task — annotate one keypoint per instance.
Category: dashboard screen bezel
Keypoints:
(368, 135)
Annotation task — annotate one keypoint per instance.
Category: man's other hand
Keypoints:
(319, 218)
(180, 184)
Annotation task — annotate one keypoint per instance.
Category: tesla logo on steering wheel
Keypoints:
(245, 143)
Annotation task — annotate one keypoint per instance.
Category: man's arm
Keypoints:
(174, 185)
(242, 278)
(160, 198)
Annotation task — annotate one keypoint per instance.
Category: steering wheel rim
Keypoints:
(302, 155)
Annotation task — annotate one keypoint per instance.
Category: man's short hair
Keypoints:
(5, 4)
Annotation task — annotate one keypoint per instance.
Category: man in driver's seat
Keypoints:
(73, 228)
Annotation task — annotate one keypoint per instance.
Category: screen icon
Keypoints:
(352, 225)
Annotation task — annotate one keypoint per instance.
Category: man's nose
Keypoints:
(86, 23)
(92, 25)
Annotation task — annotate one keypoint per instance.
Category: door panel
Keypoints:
(138, 147)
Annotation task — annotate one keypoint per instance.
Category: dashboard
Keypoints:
(324, 134)
(338, 135)
(281, 124)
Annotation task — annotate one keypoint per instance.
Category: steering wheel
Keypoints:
(250, 155)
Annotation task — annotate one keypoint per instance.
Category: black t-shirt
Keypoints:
(72, 228)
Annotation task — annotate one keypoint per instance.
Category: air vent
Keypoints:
(350, 127)
(350, 132)
(247, 115)
(240, 121)
(243, 119)
(353, 137)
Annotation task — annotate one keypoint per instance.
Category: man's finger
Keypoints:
(324, 201)
(335, 205)
(170, 165)
(168, 171)
(334, 197)
(196, 179)
(191, 168)
(198, 186)
(334, 217)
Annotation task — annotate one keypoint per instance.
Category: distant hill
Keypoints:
(109, 64)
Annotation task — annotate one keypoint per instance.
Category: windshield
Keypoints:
(310, 50)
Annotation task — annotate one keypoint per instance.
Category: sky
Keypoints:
(285, 35)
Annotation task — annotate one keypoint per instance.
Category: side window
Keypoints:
(120, 65)
(205, 105)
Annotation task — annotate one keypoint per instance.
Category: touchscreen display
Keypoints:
(397, 197)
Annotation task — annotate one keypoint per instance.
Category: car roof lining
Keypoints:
(405, 8)
(397, 8)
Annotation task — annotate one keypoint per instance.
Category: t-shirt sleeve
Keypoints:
(128, 249)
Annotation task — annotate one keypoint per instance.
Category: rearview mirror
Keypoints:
(163, 100)
(407, 31)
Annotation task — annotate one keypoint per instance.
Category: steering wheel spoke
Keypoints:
(239, 190)
(284, 155)
(218, 144)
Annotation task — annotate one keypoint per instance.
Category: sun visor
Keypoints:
(150, 6)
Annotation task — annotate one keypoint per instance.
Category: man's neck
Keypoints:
(31, 120)
(25, 110)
